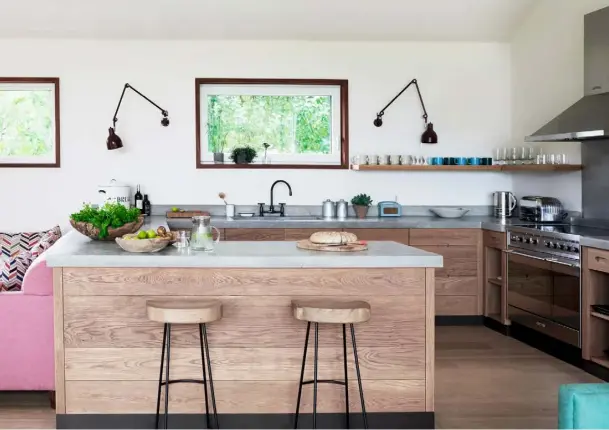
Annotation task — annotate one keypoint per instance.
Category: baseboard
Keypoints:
(378, 420)
(554, 347)
(448, 320)
(497, 326)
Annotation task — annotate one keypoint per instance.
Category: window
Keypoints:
(289, 123)
(29, 122)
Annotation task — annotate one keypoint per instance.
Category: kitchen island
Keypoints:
(108, 353)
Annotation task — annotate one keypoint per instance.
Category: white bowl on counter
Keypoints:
(449, 212)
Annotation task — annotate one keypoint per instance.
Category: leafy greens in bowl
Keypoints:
(106, 222)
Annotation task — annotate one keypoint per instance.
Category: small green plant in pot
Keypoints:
(361, 203)
(243, 155)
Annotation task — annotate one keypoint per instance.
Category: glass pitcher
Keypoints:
(201, 235)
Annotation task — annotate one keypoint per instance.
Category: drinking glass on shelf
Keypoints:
(561, 159)
(552, 159)
(541, 159)
(513, 156)
(531, 154)
(500, 156)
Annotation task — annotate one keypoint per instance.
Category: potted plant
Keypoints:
(361, 203)
(219, 146)
(243, 155)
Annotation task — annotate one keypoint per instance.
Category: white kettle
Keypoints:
(115, 192)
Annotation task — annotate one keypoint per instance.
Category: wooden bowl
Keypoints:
(142, 245)
(93, 232)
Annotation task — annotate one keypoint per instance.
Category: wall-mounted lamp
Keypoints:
(114, 141)
(429, 135)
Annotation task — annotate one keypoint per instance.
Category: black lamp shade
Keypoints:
(113, 142)
(429, 135)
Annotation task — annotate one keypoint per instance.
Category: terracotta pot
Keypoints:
(360, 211)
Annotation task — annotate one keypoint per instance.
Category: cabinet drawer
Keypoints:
(494, 239)
(598, 259)
(443, 236)
(304, 233)
(399, 235)
(254, 234)
(458, 260)
(457, 286)
(456, 305)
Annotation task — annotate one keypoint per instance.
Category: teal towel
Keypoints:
(583, 406)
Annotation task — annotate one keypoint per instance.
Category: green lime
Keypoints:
(151, 234)
(142, 235)
(174, 209)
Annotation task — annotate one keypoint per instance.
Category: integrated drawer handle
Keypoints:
(599, 259)
(540, 324)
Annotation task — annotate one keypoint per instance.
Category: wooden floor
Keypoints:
(483, 380)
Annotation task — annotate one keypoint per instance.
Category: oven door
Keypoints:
(544, 294)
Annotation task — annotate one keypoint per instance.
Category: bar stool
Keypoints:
(198, 312)
(328, 311)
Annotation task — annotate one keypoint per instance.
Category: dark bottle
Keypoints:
(139, 200)
(147, 206)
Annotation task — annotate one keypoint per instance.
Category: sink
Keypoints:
(273, 218)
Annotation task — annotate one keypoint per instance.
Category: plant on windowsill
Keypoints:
(361, 203)
(243, 155)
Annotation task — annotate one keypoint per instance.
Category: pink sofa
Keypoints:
(26, 332)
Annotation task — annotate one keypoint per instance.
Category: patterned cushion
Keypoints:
(13, 271)
(18, 260)
(12, 244)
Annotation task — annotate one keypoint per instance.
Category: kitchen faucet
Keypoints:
(272, 210)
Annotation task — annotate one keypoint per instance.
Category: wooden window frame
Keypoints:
(344, 117)
(55, 83)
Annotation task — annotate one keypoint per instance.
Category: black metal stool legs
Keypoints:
(158, 398)
(304, 360)
(204, 378)
(346, 378)
(316, 381)
(211, 379)
(359, 378)
(167, 381)
(167, 375)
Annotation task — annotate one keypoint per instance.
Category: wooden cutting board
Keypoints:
(350, 247)
(185, 214)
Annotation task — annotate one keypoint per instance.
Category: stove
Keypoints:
(557, 240)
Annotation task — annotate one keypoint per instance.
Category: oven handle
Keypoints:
(554, 260)
(509, 251)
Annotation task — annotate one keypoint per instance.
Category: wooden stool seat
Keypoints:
(331, 311)
(183, 311)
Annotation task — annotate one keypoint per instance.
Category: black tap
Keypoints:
(281, 205)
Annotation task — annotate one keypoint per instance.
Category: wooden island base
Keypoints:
(108, 353)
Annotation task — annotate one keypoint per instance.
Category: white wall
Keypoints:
(547, 77)
(466, 87)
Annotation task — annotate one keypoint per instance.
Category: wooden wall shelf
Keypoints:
(494, 168)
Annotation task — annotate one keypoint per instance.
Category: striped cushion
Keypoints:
(12, 244)
(14, 270)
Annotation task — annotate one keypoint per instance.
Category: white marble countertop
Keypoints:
(76, 250)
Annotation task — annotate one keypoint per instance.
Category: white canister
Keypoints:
(115, 192)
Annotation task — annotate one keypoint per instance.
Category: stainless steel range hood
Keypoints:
(588, 119)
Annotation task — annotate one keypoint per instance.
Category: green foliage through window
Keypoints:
(290, 124)
(26, 123)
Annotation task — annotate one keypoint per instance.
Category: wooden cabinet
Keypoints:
(444, 236)
(303, 233)
(400, 235)
(458, 283)
(254, 234)
(595, 291)
(494, 276)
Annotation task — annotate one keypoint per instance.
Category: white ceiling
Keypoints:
(455, 20)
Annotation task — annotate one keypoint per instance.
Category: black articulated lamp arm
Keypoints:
(164, 121)
(378, 121)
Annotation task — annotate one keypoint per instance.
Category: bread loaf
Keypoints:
(332, 238)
